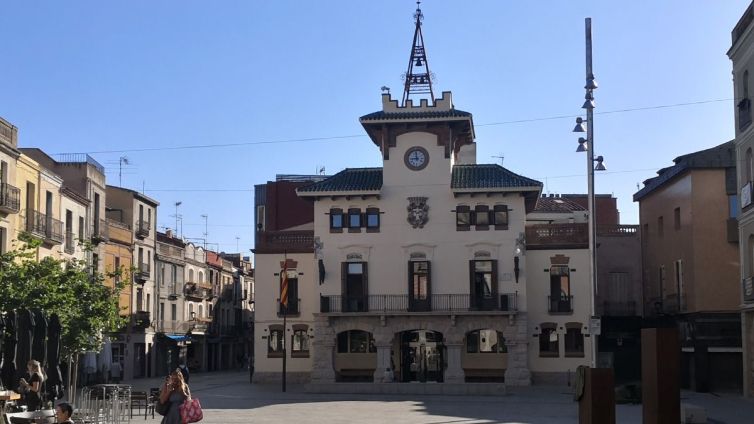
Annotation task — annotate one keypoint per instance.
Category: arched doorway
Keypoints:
(422, 356)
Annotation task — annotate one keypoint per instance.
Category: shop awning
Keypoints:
(178, 338)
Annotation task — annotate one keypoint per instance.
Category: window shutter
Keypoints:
(472, 289)
(494, 280)
(365, 276)
(429, 279)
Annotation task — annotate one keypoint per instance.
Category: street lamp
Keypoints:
(587, 145)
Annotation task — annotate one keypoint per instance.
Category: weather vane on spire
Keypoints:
(417, 79)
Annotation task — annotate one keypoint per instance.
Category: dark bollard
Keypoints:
(597, 404)
(660, 376)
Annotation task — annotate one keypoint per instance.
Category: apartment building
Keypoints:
(140, 213)
(200, 290)
(691, 262)
(10, 194)
(741, 53)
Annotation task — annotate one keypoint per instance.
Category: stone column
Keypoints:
(323, 370)
(454, 373)
(517, 342)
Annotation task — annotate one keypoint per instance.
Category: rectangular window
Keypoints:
(549, 343)
(560, 299)
(484, 285)
(260, 218)
(419, 280)
(336, 220)
(355, 297)
(2, 239)
(482, 217)
(677, 219)
(500, 217)
(148, 306)
(463, 218)
(162, 311)
(300, 344)
(293, 306)
(173, 312)
(373, 220)
(81, 228)
(660, 229)
(354, 220)
(275, 343)
(485, 341)
(574, 341)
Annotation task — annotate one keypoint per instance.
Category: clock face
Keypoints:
(416, 158)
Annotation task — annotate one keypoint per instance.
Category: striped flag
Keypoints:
(284, 284)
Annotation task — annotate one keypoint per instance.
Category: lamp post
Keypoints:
(587, 145)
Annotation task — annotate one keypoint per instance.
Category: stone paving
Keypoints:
(229, 398)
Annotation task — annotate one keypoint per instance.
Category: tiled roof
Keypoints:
(556, 205)
(718, 157)
(349, 179)
(452, 113)
(488, 176)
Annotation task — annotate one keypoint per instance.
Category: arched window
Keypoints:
(191, 276)
(201, 277)
(191, 310)
(201, 312)
(549, 345)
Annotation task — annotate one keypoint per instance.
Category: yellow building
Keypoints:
(10, 195)
(40, 206)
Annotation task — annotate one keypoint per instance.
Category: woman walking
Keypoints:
(174, 392)
(32, 389)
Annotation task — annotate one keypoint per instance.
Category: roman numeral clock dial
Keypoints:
(416, 158)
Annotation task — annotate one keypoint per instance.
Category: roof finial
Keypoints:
(417, 81)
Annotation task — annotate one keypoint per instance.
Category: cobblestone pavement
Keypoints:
(229, 398)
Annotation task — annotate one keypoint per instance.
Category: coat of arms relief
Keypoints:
(418, 211)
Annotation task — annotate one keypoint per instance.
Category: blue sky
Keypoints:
(92, 76)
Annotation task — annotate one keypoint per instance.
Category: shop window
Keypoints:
(356, 341)
(485, 341)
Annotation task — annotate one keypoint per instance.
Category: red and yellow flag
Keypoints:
(284, 284)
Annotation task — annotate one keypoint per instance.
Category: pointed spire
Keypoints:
(418, 78)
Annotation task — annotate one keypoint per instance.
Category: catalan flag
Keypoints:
(284, 285)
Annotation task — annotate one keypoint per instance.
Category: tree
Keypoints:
(87, 308)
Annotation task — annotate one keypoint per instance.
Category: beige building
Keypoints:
(741, 53)
(140, 213)
(691, 262)
(73, 211)
(10, 194)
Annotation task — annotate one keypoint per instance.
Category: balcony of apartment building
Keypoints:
(99, 231)
(45, 227)
(557, 236)
(119, 232)
(140, 320)
(10, 198)
(174, 326)
(142, 228)
(561, 304)
(285, 241)
(618, 230)
(197, 292)
(143, 272)
(431, 304)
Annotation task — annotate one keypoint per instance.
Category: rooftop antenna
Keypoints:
(205, 216)
(501, 157)
(418, 81)
(123, 160)
(321, 170)
(237, 249)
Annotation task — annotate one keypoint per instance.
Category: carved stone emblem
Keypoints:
(418, 211)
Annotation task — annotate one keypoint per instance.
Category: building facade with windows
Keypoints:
(690, 262)
(140, 213)
(741, 54)
(201, 295)
(10, 194)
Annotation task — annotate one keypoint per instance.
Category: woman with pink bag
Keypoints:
(175, 398)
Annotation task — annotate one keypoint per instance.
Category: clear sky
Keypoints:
(117, 77)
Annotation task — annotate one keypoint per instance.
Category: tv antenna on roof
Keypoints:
(123, 160)
(501, 157)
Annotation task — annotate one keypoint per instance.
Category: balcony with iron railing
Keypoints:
(45, 227)
(293, 308)
(10, 198)
(143, 272)
(99, 231)
(140, 319)
(562, 304)
(142, 228)
(70, 243)
(195, 292)
(119, 232)
(285, 241)
(557, 236)
(405, 304)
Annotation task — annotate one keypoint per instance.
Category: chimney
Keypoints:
(169, 233)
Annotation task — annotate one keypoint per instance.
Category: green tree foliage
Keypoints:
(88, 309)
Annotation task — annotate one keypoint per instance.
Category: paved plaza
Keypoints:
(229, 398)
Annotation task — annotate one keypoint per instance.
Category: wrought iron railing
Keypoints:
(100, 230)
(44, 226)
(141, 319)
(560, 304)
(142, 229)
(10, 198)
(406, 304)
(292, 309)
(143, 271)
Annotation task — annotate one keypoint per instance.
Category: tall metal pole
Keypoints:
(591, 202)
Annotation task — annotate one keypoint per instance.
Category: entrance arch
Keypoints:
(422, 356)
